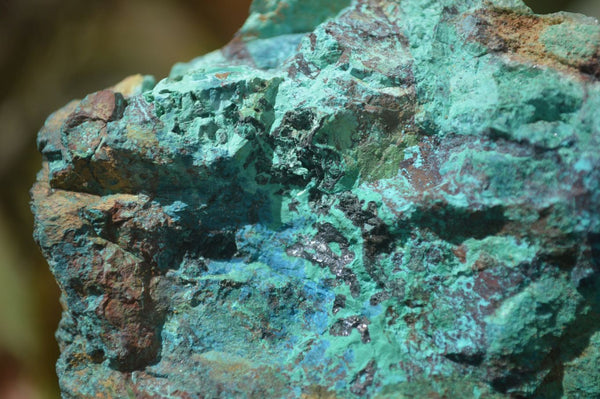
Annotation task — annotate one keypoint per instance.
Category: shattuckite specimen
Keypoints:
(368, 198)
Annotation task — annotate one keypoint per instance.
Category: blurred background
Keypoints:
(52, 51)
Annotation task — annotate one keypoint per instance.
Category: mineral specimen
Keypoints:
(373, 198)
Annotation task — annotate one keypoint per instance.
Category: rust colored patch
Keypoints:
(461, 253)
(275, 16)
(59, 210)
(484, 262)
(79, 360)
(518, 36)
(104, 105)
(494, 284)
(121, 314)
(426, 176)
(236, 50)
(54, 123)
(224, 368)
(129, 86)
(223, 75)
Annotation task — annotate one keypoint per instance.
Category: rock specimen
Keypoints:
(373, 198)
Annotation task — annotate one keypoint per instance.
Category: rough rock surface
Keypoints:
(373, 198)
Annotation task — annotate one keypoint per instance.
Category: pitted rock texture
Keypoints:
(352, 199)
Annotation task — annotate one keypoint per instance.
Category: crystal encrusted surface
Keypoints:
(369, 198)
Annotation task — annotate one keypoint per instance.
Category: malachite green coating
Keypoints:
(369, 198)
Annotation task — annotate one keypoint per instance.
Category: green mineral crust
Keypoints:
(369, 198)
